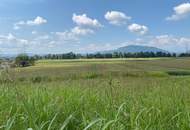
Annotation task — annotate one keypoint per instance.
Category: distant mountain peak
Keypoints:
(136, 49)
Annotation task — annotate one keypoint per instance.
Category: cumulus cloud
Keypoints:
(81, 31)
(11, 43)
(43, 37)
(51, 42)
(84, 26)
(84, 21)
(45, 42)
(165, 40)
(171, 43)
(116, 17)
(37, 21)
(74, 33)
(18, 24)
(169, 40)
(66, 36)
(8, 37)
(138, 29)
(180, 12)
(96, 47)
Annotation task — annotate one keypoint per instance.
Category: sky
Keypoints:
(85, 26)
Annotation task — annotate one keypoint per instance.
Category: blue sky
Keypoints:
(59, 26)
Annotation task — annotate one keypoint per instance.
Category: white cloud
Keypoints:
(138, 29)
(8, 37)
(52, 42)
(84, 26)
(43, 37)
(180, 12)
(165, 40)
(18, 24)
(116, 17)
(11, 42)
(81, 31)
(96, 47)
(84, 21)
(170, 40)
(45, 43)
(66, 36)
(74, 33)
(184, 40)
(34, 32)
(171, 43)
(37, 21)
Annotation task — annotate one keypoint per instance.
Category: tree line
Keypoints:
(72, 55)
(23, 60)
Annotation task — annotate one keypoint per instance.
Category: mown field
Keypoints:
(109, 94)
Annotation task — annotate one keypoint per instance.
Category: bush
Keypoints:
(24, 60)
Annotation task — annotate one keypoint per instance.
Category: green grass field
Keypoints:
(109, 94)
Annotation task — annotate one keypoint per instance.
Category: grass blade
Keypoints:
(108, 124)
(66, 122)
(119, 110)
(49, 127)
(92, 123)
(10, 123)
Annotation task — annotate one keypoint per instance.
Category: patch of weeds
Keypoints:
(178, 73)
(22, 79)
(36, 79)
(157, 74)
(39, 79)
(132, 74)
(92, 75)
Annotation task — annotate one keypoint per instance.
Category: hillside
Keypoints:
(135, 49)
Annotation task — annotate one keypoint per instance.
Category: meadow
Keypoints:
(97, 94)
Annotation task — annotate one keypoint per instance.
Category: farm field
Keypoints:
(97, 94)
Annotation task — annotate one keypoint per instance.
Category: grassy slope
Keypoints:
(97, 94)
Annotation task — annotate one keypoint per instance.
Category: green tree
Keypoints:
(23, 60)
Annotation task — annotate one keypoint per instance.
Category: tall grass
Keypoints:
(110, 104)
(96, 100)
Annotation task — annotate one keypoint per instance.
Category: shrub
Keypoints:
(24, 60)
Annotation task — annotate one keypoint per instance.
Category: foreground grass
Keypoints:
(97, 98)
